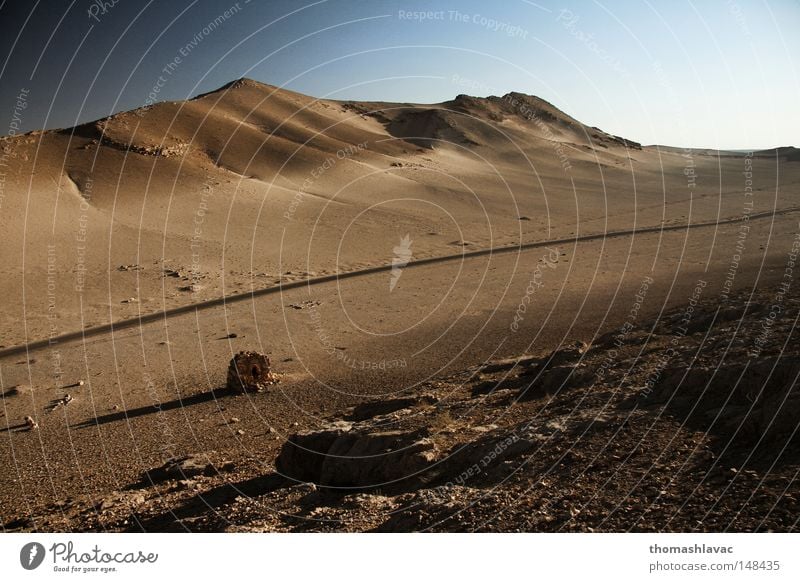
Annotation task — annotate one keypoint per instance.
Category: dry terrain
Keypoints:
(483, 315)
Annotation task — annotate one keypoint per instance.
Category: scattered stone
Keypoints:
(437, 460)
(306, 487)
(186, 467)
(120, 499)
(304, 304)
(193, 288)
(487, 428)
(551, 380)
(250, 372)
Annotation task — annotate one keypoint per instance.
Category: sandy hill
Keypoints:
(250, 184)
(148, 218)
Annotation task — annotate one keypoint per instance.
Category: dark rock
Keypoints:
(491, 386)
(552, 380)
(778, 418)
(568, 354)
(340, 457)
(250, 372)
(483, 456)
(367, 410)
(758, 399)
(510, 363)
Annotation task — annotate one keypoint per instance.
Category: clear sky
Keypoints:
(710, 73)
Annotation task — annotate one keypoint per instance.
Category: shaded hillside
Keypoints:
(473, 121)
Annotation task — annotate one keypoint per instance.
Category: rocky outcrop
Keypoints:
(373, 408)
(339, 456)
(649, 430)
(560, 370)
(756, 399)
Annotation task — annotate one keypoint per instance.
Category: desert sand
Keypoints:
(394, 261)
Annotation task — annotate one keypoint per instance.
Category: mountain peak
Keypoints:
(241, 82)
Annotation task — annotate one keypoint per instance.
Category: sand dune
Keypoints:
(251, 184)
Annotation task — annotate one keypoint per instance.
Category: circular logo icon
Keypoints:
(31, 555)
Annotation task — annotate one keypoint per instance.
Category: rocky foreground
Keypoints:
(689, 423)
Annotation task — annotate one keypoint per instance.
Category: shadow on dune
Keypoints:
(181, 402)
(15, 428)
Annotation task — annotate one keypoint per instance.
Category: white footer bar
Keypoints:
(390, 557)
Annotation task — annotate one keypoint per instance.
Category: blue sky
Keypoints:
(702, 74)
